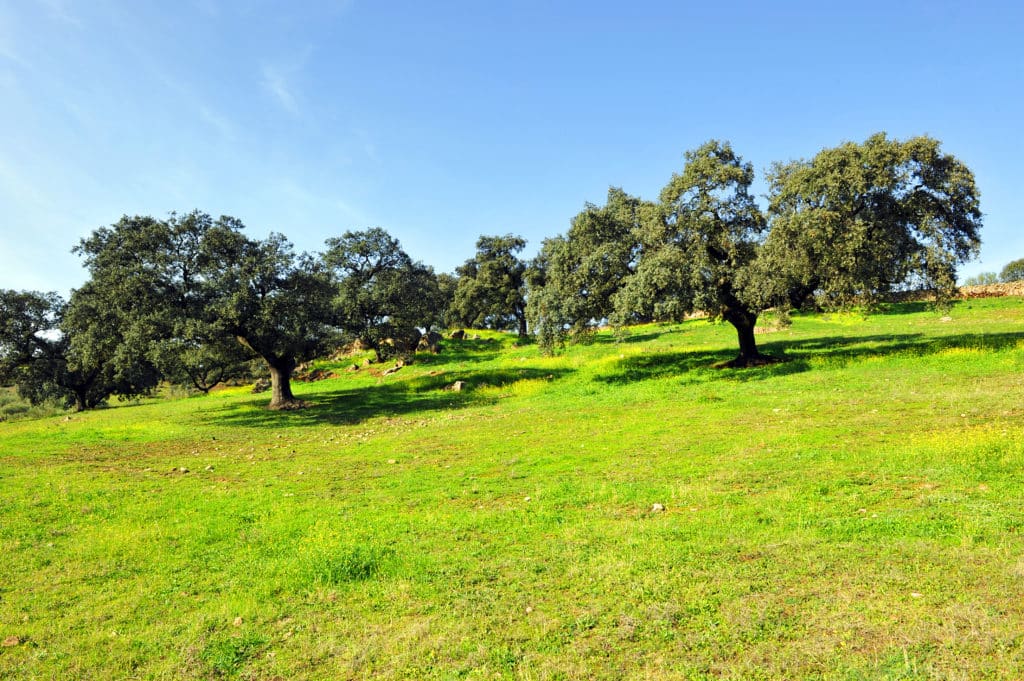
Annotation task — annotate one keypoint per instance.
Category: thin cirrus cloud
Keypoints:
(278, 79)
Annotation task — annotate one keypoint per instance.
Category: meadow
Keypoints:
(622, 510)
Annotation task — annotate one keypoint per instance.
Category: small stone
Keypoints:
(237, 622)
(209, 468)
(529, 610)
(457, 386)
(946, 319)
(658, 508)
(11, 641)
(392, 461)
(526, 498)
(183, 470)
(914, 594)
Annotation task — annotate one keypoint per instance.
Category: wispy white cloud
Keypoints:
(276, 83)
(278, 79)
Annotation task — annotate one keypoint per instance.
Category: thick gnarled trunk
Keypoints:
(281, 385)
(744, 322)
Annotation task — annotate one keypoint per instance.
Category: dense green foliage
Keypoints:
(1013, 271)
(192, 300)
(186, 291)
(852, 513)
(76, 353)
(846, 228)
(575, 276)
(491, 288)
(382, 297)
(700, 256)
(861, 220)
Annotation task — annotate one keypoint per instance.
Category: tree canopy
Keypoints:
(1013, 271)
(491, 288)
(193, 299)
(69, 352)
(859, 221)
(189, 285)
(382, 296)
(847, 227)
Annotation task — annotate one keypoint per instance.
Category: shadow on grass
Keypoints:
(397, 398)
(797, 356)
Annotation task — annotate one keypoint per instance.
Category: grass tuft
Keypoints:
(226, 655)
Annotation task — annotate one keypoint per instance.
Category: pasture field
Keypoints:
(856, 512)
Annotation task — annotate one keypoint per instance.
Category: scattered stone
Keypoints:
(237, 622)
(261, 386)
(915, 594)
(352, 367)
(392, 461)
(457, 386)
(475, 336)
(182, 469)
(397, 367)
(529, 609)
(657, 508)
(367, 362)
(209, 468)
(947, 318)
(458, 334)
(527, 499)
(430, 341)
(11, 641)
(311, 375)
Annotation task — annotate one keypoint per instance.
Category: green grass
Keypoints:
(855, 512)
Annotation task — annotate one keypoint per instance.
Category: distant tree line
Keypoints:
(1013, 271)
(193, 300)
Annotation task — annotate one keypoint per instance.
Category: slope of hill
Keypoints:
(622, 510)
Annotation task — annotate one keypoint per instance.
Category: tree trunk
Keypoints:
(744, 322)
(521, 318)
(281, 385)
(80, 401)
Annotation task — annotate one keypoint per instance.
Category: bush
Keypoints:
(983, 279)
(1014, 271)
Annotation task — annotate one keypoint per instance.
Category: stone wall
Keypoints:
(1013, 288)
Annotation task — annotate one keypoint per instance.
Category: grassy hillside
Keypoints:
(853, 513)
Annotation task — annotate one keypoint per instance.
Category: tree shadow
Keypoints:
(797, 355)
(427, 393)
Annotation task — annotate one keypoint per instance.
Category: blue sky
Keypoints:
(441, 121)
